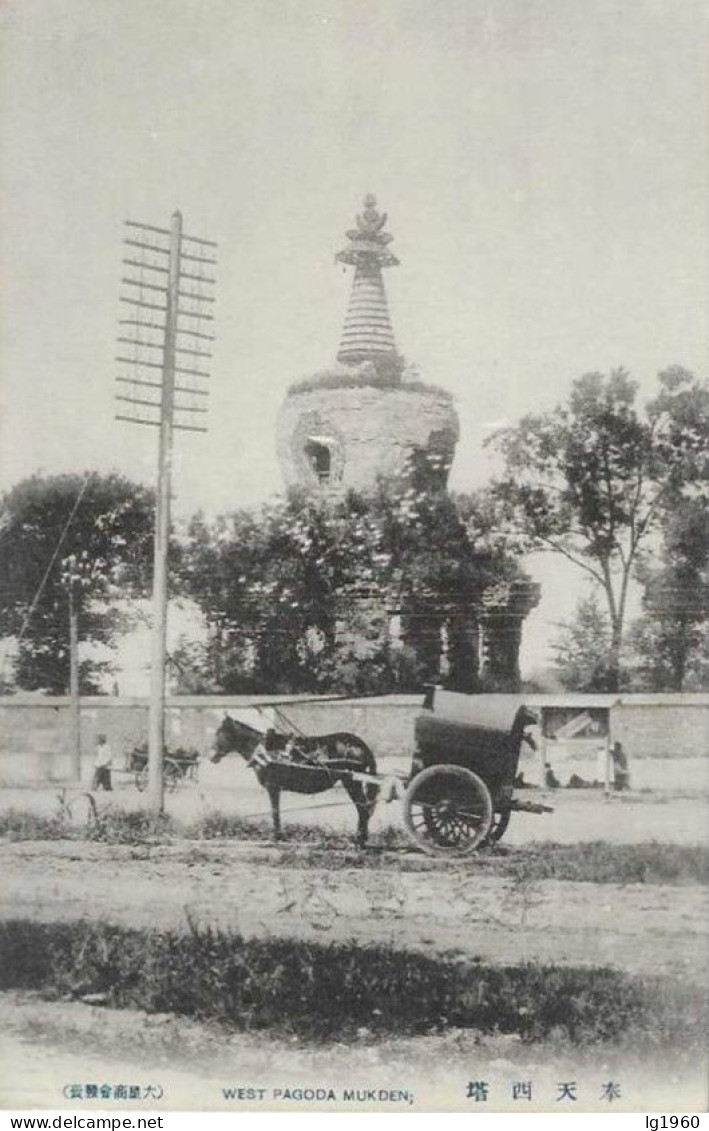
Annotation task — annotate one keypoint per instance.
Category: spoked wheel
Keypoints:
(500, 821)
(448, 811)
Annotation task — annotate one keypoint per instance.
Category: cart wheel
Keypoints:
(141, 779)
(172, 775)
(500, 821)
(448, 811)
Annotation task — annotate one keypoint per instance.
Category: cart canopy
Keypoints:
(482, 733)
(490, 712)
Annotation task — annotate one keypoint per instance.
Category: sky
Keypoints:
(543, 164)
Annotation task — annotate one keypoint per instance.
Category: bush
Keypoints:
(317, 990)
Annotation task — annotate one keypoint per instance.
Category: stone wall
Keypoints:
(370, 431)
(36, 737)
(35, 734)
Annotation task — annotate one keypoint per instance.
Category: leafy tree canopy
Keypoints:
(592, 479)
(582, 651)
(299, 596)
(88, 536)
(670, 641)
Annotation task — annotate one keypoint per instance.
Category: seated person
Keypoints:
(550, 779)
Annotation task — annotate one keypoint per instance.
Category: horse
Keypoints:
(302, 765)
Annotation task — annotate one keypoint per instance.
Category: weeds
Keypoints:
(319, 990)
(599, 862)
(19, 824)
(120, 826)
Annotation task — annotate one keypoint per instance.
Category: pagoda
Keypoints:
(363, 417)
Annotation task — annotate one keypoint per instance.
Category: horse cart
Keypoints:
(458, 795)
(179, 766)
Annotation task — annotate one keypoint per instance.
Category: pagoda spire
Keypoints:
(367, 333)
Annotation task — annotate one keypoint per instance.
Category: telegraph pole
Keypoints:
(74, 705)
(158, 343)
(156, 719)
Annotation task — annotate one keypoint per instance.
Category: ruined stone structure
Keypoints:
(363, 418)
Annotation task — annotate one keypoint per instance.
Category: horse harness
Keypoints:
(291, 754)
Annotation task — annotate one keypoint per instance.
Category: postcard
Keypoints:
(354, 560)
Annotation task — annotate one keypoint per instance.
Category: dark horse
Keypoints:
(302, 765)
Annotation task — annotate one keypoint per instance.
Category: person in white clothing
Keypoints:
(102, 764)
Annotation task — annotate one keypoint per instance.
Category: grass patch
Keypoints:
(599, 862)
(130, 826)
(222, 826)
(20, 824)
(316, 990)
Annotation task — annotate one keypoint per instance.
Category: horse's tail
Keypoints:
(369, 766)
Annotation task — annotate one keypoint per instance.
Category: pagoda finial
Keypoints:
(367, 332)
(368, 242)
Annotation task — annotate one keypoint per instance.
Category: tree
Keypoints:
(583, 649)
(301, 597)
(592, 479)
(69, 537)
(670, 639)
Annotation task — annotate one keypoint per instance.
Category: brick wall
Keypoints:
(35, 733)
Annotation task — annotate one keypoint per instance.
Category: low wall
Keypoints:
(36, 737)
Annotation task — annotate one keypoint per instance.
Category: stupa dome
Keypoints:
(364, 416)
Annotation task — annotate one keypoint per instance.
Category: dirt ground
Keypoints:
(461, 909)
(641, 928)
(674, 814)
(45, 1046)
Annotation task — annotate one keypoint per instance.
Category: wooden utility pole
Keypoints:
(74, 705)
(156, 719)
(159, 345)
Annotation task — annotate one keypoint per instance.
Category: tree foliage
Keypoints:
(582, 651)
(592, 479)
(84, 536)
(670, 641)
(301, 596)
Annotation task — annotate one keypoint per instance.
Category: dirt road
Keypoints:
(641, 928)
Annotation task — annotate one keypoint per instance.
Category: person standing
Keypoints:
(103, 758)
(621, 774)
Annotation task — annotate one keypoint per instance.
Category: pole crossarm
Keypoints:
(199, 259)
(196, 334)
(195, 314)
(192, 353)
(191, 295)
(149, 228)
(148, 247)
(146, 266)
(139, 302)
(194, 278)
(144, 286)
(142, 325)
(136, 342)
(137, 400)
(198, 239)
(140, 381)
(136, 420)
